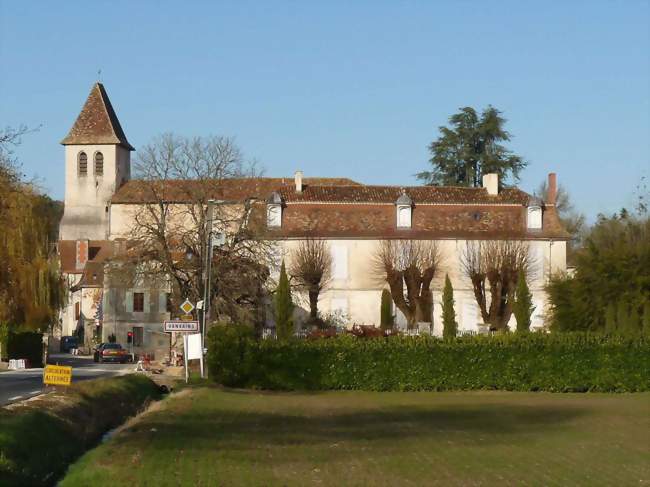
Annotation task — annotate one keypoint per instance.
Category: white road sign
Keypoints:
(181, 326)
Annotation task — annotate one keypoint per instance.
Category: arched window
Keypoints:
(82, 164)
(99, 164)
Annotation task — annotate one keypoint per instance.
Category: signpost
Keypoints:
(57, 375)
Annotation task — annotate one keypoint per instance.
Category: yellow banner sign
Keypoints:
(57, 375)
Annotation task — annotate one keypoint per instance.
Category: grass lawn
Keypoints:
(206, 436)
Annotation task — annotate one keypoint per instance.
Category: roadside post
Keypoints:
(186, 325)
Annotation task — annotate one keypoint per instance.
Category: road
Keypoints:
(22, 384)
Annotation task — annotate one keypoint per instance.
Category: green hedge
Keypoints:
(26, 345)
(514, 362)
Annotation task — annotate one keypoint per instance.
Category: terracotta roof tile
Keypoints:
(428, 222)
(139, 191)
(390, 194)
(97, 123)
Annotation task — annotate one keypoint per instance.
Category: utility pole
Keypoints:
(207, 281)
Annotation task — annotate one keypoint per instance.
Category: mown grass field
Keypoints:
(206, 436)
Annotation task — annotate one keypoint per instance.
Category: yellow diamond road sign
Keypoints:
(187, 307)
(57, 375)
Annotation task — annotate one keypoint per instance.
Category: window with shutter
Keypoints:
(99, 164)
(138, 302)
(82, 164)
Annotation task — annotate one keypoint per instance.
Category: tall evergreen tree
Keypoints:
(622, 316)
(283, 307)
(633, 322)
(470, 148)
(646, 319)
(449, 324)
(387, 318)
(523, 307)
(610, 319)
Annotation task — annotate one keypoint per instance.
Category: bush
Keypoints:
(228, 346)
(516, 362)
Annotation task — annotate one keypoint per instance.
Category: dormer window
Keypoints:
(82, 164)
(99, 164)
(534, 217)
(274, 211)
(404, 206)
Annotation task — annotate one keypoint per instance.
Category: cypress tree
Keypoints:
(283, 307)
(622, 316)
(387, 319)
(633, 321)
(610, 319)
(449, 325)
(646, 319)
(523, 306)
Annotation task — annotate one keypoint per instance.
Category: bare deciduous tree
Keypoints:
(311, 267)
(412, 264)
(178, 176)
(493, 267)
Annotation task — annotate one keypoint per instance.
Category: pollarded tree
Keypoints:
(387, 318)
(470, 148)
(449, 324)
(493, 268)
(410, 264)
(311, 267)
(523, 307)
(283, 307)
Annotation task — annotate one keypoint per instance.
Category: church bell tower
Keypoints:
(97, 163)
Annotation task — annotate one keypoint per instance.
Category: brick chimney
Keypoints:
(491, 183)
(552, 189)
(297, 177)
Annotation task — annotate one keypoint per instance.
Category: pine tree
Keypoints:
(283, 307)
(387, 319)
(523, 307)
(610, 319)
(646, 319)
(449, 325)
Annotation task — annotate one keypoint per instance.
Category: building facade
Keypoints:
(101, 200)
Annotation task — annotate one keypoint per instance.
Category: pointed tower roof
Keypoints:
(97, 122)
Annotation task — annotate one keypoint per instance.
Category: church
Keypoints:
(352, 217)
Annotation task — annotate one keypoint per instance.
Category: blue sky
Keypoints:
(352, 89)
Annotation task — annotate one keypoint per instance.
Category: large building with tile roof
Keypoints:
(100, 196)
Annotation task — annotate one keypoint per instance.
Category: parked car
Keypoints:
(111, 352)
(68, 343)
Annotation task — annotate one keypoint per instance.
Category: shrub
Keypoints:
(227, 353)
(517, 362)
(646, 319)
(25, 345)
(449, 324)
(367, 331)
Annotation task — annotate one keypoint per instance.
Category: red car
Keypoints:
(111, 352)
